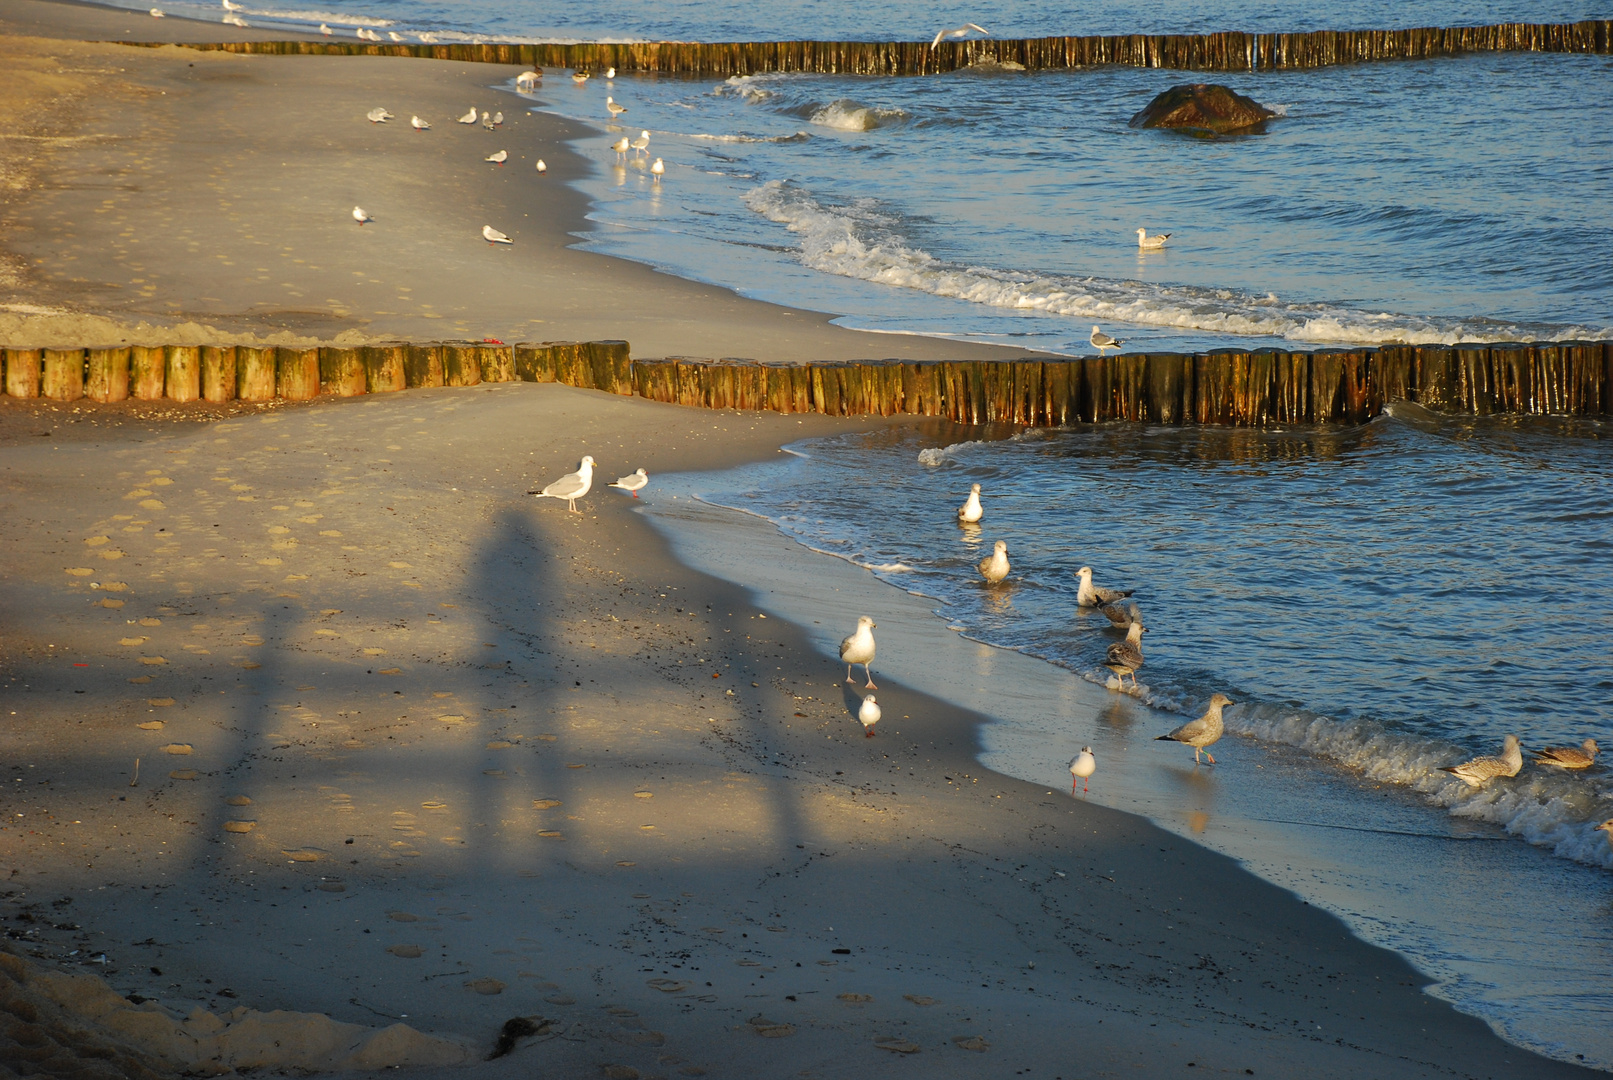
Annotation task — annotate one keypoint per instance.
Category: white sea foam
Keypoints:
(799, 136)
(752, 88)
(848, 115)
(860, 240)
(940, 455)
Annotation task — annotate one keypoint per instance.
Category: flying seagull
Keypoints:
(958, 33)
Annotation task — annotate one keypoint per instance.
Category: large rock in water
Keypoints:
(1204, 107)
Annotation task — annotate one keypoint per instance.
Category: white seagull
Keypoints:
(633, 482)
(419, 124)
(994, 567)
(1090, 595)
(394, 35)
(859, 649)
(493, 236)
(658, 169)
(1201, 732)
(378, 116)
(868, 712)
(528, 80)
(470, 117)
(1156, 241)
(156, 13)
(1479, 771)
(499, 158)
(1607, 827)
(498, 119)
(542, 168)
(958, 33)
(571, 486)
(360, 216)
(620, 146)
(1102, 341)
(642, 143)
(324, 29)
(610, 73)
(1082, 766)
(971, 511)
(614, 109)
(230, 5)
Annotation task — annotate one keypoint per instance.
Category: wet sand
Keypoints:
(415, 748)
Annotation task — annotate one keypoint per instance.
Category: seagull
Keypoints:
(326, 30)
(1202, 732)
(659, 169)
(470, 117)
(419, 124)
(1607, 827)
(368, 35)
(620, 146)
(1569, 757)
(1082, 766)
(971, 512)
(1125, 657)
(230, 5)
(428, 39)
(868, 712)
(1156, 241)
(859, 649)
(610, 73)
(156, 13)
(542, 168)
(493, 236)
(571, 486)
(527, 80)
(360, 216)
(1122, 615)
(499, 158)
(378, 116)
(1102, 341)
(579, 77)
(633, 482)
(487, 121)
(1090, 595)
(394, 35)
(958, 33)
(614, 109)
(642, 143)
(994, 567)
(1481, 770)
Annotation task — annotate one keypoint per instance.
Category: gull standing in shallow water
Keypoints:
(614, 109)
(620, 146)
(493, 236)
(1479, 771)
(994, 567)
(1090, 595)
(971, 510)
(658, 170)
(642, 143)
(571, 486)
(1607, 827)
(1102, 341)
(633, 482)
(1122, 615)
(1082, 766)
(1202, 732)
(1125, 657)
(1148, 242)
(869, 713)
(958, 33)
(859, 649)
(1582, 756)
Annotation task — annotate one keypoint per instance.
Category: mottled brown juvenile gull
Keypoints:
(571, 486)
(1481, 770)
(1204, 731)
(994, 567)
(1607, 827)
(1582, 756)
(1125, 657)
(859, 649)
(1090, 595)
(1122, 615)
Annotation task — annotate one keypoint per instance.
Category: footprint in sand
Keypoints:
(159, 702)
(970, 1042)
(897, 1045)
(499, 744)
(485, 986)
(643, 794)
(407, 952)
(153, 661)
(919, 999)
(305, 854)
(545, 804)
(149, 620)
(667, 986)
(133, 640)
(180, 748)
(434, 804)
(182, 774)
(240, 826)
(151, 725)
(108, 602)
(402, 916)
(770, 1029)
(238, 800)
(856, 999)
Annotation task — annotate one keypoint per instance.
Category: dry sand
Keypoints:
(414, 749)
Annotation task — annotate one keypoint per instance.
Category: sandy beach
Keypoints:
(329, 749)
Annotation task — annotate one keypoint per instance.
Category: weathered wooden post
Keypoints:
(383, 368)
(254, 372)
(461, 364)
(1212, 388)
(1434, 374)
(1475, 380)
(534, 363)
(1253, 380)
(1392, 374)
(296, 373)
(341, 371)
(1327, 374)
(147, 372)
(218, 373)
(1167, 373)
(612, 362)
(107, 374)
(182, 372)
(422, 366)
(1292, 387)
(1356, 404)
(496, 363)
(62, 374)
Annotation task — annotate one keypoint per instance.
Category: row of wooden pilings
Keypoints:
(1219, 388)
(1225, 51)
(265, 373)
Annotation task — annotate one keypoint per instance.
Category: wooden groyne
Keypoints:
(1225, 51)
(1244, 389)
